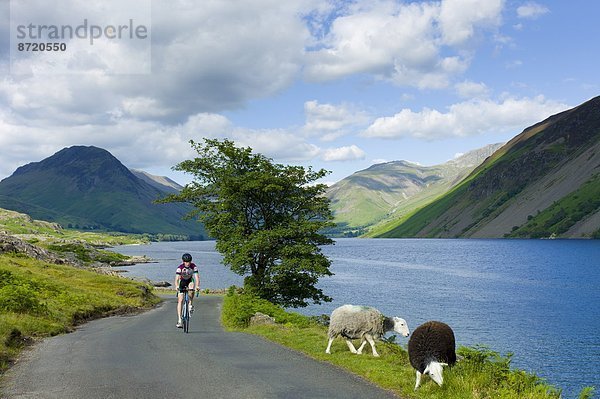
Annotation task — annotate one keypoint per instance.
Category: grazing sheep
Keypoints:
(366, 323)
(430, 347)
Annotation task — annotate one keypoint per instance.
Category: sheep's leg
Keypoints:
(372, 342)
(328, 350)
(418, 380)
(350, 346)
(362, 345)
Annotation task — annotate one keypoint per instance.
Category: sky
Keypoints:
(332, 84)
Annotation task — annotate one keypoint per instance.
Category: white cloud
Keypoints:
(144, 144)
(220, 55)
(331, 121)
(465, 119)
(459, 19)
(207, 58)
(279, 144)
(379, 160)
(514, 64)
(346, 153)
(469, 89)
(211, 59)
(142, 107)
(402, 42)
(531, 10)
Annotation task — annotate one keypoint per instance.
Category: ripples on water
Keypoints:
(539, 299)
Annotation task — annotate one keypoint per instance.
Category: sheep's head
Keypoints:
(436, 372)
(400, 326)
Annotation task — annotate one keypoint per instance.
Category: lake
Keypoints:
(539, 299)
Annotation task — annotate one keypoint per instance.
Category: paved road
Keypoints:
(145, 356)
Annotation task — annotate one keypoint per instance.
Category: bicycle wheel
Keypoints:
(186, 314)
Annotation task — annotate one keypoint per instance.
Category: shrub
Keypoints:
(20, 299)
(238, 308)
(587, 393)
(80, 251)
(6, 278)
(16, 339)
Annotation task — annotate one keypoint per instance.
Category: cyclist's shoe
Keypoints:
(179, 325)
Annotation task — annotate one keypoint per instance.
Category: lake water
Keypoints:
(539, 299)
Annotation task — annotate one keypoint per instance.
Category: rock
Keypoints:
(143, 280)
(133, 260)
(122, 263)
(322, 319)
(162, 284)
(15, 245)
(106, 270)
(261, 319)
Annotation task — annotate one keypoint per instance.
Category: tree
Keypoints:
(265, 217)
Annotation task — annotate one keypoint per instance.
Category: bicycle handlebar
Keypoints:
(177, 291)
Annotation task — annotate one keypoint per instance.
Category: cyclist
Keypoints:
(186, 277)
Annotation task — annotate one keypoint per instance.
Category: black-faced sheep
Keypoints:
(430, 347)
(364, 323)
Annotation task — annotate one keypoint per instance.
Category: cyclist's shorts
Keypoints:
(184, 284)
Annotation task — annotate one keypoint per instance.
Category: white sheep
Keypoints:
(364, 323)
(431, 347)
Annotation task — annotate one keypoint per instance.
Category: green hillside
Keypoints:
(542, 183)
(88, 188)
(563, 214)
(372, 197)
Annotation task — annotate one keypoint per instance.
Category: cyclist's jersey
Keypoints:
(191, 266)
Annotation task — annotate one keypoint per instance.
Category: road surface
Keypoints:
(145, 356)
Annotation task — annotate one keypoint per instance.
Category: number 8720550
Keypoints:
(27, 46)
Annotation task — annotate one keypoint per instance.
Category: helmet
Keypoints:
(186, 257)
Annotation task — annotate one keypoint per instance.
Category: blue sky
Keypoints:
(339, 85)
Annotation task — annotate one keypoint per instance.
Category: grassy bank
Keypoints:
(482, 373)
(39, 299)
(42, 232)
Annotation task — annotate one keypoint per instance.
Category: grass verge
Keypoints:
(482, 373)
(39, 299)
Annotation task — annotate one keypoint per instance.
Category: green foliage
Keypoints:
(562, 215)
(238, 308)
(15, 340)
(587, 393)
(496, 376)
(80, 251)
(86, 253)
(482, 373)
(18, 294)
(412, 223)
(44, 233)
(265, 217)
(20, 299)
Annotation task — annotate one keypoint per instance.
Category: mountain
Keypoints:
(392, 189)
(88, 188)
(163, 183)
(545, 182)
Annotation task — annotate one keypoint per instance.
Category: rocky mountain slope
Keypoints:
(543, 183)
(389, 190)
(88, 188)
(163, 183)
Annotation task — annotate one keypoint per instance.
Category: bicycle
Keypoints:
(185, 309)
